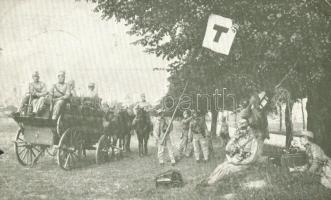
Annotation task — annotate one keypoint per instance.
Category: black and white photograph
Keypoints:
(165, 99)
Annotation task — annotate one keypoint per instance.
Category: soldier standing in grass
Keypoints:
(161, 132)
(184, 143)
(224, 132)
(197, 133)
(257, 120)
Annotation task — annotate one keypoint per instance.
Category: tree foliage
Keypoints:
(275, 39)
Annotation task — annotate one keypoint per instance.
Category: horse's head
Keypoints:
(140, 113)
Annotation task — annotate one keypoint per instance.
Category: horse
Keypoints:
(116, 126)
(125, 122)
(142, 125)
(129, 116)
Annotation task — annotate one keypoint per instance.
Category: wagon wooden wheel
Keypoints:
(60, 127)
(70, 149)
(104, 150)
(26, 153)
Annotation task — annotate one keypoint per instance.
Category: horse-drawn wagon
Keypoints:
(80, 127)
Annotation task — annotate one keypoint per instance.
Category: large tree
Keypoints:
(275, 38)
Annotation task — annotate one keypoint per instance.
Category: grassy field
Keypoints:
(133, 178)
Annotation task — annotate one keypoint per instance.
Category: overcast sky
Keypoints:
(53, 35)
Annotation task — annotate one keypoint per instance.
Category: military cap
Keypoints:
(36, 73)
(61, 73)
(307, 134)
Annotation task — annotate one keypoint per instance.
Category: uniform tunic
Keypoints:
(91, 94)
(38, 91)
(160, 130)
(224, 133)
(198, 133)
(241, 152)
(60, 93)
(319, 163)
(184, 147)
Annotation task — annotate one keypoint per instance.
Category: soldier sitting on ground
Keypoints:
(241, 151)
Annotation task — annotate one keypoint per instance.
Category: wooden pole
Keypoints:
(173, 115)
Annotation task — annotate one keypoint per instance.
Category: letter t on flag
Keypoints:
(219, 34)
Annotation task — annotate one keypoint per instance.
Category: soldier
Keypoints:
(197, 133)
(72, 85)
(224, 132)
(146, 106)
(92, 91)
(184, 147)
(160, 132)
(36, 95)
(318, 163)
(257, 121)
(143, 103)
(241, 152)
(60, 93)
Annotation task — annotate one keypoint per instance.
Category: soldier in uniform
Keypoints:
(92, 93)
(241, 152)
(162, 124)
(36, 95)
(224, 132)
(318, 163)
(60, 93)
(197, 133)
(183, 146)
(146, 106)
(257, 120)
(72, 88)
(143, 103)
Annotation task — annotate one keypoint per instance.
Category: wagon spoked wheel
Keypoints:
(70, 149)
(60, 126)
(25, 152)
(104, 150)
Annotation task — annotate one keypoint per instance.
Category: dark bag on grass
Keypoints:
(168, 179)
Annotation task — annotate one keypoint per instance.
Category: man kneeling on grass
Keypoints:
(241, 151)
(318, 162)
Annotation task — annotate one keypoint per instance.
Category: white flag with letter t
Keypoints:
(219, 35)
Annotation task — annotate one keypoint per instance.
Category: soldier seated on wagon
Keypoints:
(33, 102)
(60, 93)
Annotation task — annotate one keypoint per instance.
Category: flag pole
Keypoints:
(173, 115)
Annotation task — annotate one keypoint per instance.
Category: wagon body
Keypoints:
(78, 128)
(37, 131)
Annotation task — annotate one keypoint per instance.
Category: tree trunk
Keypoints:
(280, 118)
(213, 127)
(288, 124)
(303, 116)
(319, 116)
